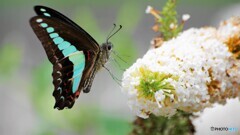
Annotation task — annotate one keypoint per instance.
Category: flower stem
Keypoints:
(180, 124)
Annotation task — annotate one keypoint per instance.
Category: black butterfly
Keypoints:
(75, 55)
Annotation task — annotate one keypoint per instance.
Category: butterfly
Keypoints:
(75, 55)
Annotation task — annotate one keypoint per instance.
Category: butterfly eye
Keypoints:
(109, 47)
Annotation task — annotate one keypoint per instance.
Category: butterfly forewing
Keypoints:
(72, 52)
(49, 12)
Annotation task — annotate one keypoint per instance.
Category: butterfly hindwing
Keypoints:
(72, 52)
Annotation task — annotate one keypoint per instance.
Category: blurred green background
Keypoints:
(25, 73)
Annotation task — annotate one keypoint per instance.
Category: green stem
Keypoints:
(179, 124)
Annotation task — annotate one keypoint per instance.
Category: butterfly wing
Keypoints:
(72, 52)
(49, 12)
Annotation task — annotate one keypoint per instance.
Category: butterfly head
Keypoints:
(107, 47)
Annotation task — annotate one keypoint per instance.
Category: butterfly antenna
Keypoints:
(113, 77)
(110, 34)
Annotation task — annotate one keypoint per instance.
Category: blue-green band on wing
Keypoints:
(71, 50)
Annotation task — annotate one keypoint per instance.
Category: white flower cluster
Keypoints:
(187, 73)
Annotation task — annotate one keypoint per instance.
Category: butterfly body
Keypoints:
(75, 55)
(103, 56)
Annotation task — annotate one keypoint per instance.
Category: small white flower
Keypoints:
(186, 17)
(152, 42)
(159, 95)
(172, 26)
(148, 9)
